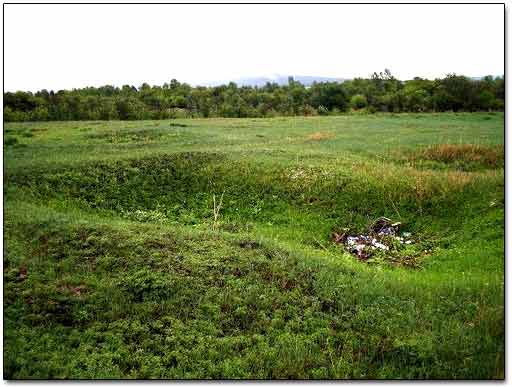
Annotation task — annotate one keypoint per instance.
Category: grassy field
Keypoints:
(115, 265)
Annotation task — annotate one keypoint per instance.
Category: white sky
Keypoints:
(69, 46)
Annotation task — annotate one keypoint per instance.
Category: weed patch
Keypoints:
(10, 141)
(129, 135)
(465, 157)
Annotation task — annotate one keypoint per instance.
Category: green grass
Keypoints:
(114, 267)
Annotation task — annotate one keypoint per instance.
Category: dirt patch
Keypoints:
(320, 136)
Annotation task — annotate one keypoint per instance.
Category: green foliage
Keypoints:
(382, 92)
(329, 95)
(358, 101)
(9, 141)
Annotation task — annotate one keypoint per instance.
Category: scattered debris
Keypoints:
(385, 226)
(383, 235)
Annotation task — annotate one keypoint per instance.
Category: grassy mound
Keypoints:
(146, 301)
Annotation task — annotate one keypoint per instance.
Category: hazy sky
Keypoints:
(69, 46)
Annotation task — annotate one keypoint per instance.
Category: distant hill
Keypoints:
(306, 80)
(482, 77)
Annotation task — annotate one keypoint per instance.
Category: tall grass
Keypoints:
(489, 157)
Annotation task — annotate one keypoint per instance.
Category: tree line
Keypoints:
(381, 92)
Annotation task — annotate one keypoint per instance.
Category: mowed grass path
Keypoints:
(114, 267)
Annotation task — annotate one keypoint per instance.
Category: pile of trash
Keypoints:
(382, 235)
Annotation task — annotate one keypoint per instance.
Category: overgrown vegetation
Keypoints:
(463, 156)
(118, 262)
(381, 92)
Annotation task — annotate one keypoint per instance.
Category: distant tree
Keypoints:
(459, 91)
(380, 92)
(330, 95)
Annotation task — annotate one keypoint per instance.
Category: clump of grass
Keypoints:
(463, 155)
(9, 141)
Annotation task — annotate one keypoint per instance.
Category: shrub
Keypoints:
(322, 110)
(358, 101)
(10, 141)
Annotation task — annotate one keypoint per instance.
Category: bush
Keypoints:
(322, 110)
(358, 101)
(145, 284)
(11, 115)
(309, 110)
(10, 141)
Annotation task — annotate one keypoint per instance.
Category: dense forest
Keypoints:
(382, 92)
